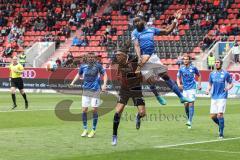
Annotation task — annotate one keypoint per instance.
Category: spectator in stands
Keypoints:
(39, 25)
(186, 19)
(72, 21)
(2, 64)
(236, 52)
(69, 60)
(57, 41)
(2, 21)
(58, 62)
(211, 61)
(65, 31)
(78, 16)
(76, 41)
(238, 15)
(151, 20)
(207, 41)
(85, 41)
(103, 40)
(20, 41)
(1, 40)
(108, 10)
(8, 50)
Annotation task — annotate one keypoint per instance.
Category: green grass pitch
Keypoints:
(38, 134)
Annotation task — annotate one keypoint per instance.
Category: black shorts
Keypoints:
(17, 83)
(136, 95)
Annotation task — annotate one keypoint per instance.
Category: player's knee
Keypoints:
(95, 110)
(164, 76)
(84, 109)
(22, 91)
(142, 113)
(220, 115)
(151, 80)
(212, 116)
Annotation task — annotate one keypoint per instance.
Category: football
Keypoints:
(51, 66)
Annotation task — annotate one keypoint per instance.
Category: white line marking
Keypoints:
(32, 110)
(204, 150)
(200, 142)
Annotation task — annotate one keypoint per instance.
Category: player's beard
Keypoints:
(140, 26)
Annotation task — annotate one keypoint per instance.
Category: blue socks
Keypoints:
(95, 120)
(84, 119)
(191, 113)
(171, 84)
(221, 125)
(154, 90)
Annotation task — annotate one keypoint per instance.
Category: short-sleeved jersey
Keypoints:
(146, 39)
(187, 75)
(91, 76)
(14, 68)
(219, 80)
(128, 79)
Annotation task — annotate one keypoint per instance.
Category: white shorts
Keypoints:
(90, 101)
(91, 98)
(218, 106)
(153, 67)
(191, 93)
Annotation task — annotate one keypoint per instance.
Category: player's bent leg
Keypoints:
(159, 98)
(24, 97)
(84, 119)
(214, 118)
(173, 86)
(116, 121)
(13, 93)
(139, 102)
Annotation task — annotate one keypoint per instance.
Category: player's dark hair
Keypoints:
(124, 47)
(220, 60)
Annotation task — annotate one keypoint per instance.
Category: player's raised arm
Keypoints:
(169, 29)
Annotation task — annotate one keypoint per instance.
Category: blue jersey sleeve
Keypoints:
(210, 79)
(80, 71)
(228, 78)
(156, 31)
(196, 71)
(179, 74)
(101, 69)
(134, 35)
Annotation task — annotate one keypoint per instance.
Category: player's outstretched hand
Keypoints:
(178, 14)
(104, 88)
(71, 85)
(199, 87)
(207, 92)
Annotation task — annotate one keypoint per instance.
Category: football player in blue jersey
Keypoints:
(91, 71)
(220, 82)
(149, 64)
(186, 76)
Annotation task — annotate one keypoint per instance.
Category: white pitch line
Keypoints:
(32, 110)
(204, 150)
(200, 142)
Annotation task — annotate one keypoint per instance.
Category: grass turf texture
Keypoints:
(38, 134)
